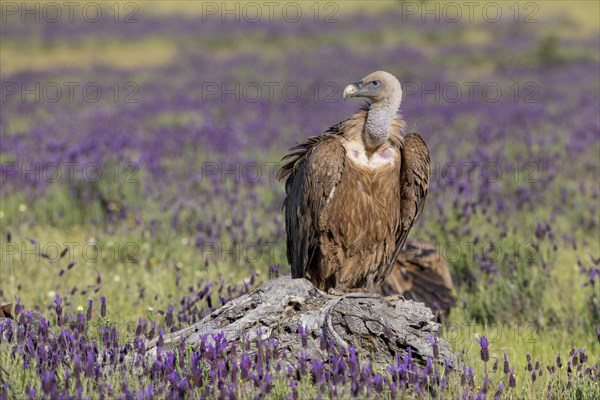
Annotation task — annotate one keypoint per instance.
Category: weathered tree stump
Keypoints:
(379, 328)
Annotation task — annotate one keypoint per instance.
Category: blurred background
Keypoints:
(139, 144)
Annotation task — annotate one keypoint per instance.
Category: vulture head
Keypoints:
(384, 94)
(378, 87)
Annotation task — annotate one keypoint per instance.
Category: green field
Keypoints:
(164, 219)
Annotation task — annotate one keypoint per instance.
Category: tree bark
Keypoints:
(379, 328)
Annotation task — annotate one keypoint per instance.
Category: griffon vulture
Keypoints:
(354, 192)
(420, 273)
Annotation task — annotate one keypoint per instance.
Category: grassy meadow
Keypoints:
(139, 145)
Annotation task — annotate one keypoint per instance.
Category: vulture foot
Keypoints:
(394, 297)
(347, 292)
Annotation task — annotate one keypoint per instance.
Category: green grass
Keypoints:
(160, 256)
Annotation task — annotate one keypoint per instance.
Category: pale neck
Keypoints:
(379, 121)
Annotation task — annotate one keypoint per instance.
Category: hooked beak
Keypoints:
(352, 90)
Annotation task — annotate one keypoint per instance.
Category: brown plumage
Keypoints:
(6, 311)
(420, 273)
(354, 192)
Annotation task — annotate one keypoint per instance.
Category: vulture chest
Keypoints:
(370, 189)
(363, 219)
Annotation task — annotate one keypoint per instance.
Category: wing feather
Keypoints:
(414, 181)
(313, 170)
(422, 274)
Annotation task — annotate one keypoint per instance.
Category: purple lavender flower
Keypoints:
(303, 336)
(58, 309)
(18, 307)
(582, 356)
(471, 381)
(274, 271)
(512, 382)
(245, 363)
(102, 307)
(434, 345)
(317, 371)
(88, 315)
(484, 387)
(378, 383)
(499, 391)
(323, 341)
(294, 388)
(483, 342)
(169, 317)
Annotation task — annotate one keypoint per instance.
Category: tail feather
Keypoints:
(420, 273)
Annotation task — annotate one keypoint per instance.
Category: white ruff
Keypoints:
(383, 157)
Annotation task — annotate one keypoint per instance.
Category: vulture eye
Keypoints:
(376, 83)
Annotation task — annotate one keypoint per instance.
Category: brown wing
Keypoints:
(421, 273)
(6, 311)
(313, 171)
(414, 179)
